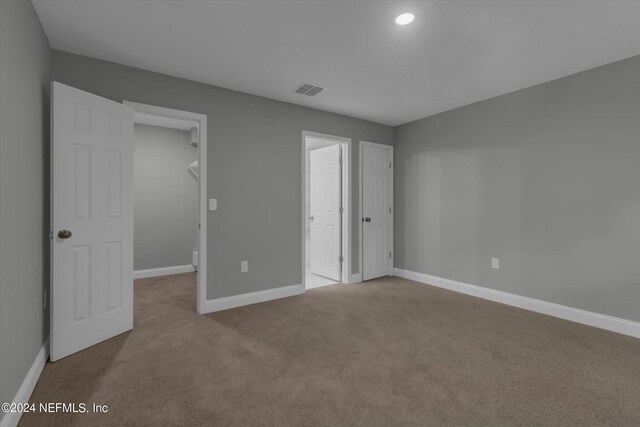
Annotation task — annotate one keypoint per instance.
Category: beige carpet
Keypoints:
(385, 352)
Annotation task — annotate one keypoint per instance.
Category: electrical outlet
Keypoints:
(495, 263)
(244, 266)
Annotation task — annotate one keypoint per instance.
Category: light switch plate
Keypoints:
(213, 204)
(244, 266)
(495, 263)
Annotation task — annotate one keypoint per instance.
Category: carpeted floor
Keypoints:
(381, 353)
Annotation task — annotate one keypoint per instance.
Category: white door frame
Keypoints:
(390, 148)
(346, 202)
(171, 114)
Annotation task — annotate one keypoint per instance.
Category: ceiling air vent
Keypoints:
(307, 89)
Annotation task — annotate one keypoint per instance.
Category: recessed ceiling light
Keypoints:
(405, 18)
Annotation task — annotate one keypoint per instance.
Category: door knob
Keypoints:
(367, 219)
(64, 234)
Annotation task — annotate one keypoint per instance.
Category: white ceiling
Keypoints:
(455, 52)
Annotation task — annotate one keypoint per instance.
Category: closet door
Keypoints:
(377, 201)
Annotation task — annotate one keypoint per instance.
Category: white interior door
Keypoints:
(325, 200)
(376, 210)
(92, 220)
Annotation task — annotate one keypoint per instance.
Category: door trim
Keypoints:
(347, 245)
(385, 147)
(201, 119)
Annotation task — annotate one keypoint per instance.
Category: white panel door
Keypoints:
(325, 221)
(92, 220)
(376, 211)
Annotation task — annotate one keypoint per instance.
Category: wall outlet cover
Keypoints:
(495, 263)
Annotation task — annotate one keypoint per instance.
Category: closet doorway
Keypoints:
(169, 194)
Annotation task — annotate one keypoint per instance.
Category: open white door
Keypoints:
(377, 200)
(91, 219)
(324, 206)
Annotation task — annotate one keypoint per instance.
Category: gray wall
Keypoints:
(24, 206)
(165, 220)
(546, 178)
(255, 171)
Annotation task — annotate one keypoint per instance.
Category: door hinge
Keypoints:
(340, 258)
(389, 165)
(341, 209)
(198, 226)
(51, 234)
(389, 254)
(389, 209)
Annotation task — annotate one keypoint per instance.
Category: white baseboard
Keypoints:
(163, 271)
(11, 419)
(314, 286)
(226, 303)
(602, 321)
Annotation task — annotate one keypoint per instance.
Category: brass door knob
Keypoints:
(64, 234)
